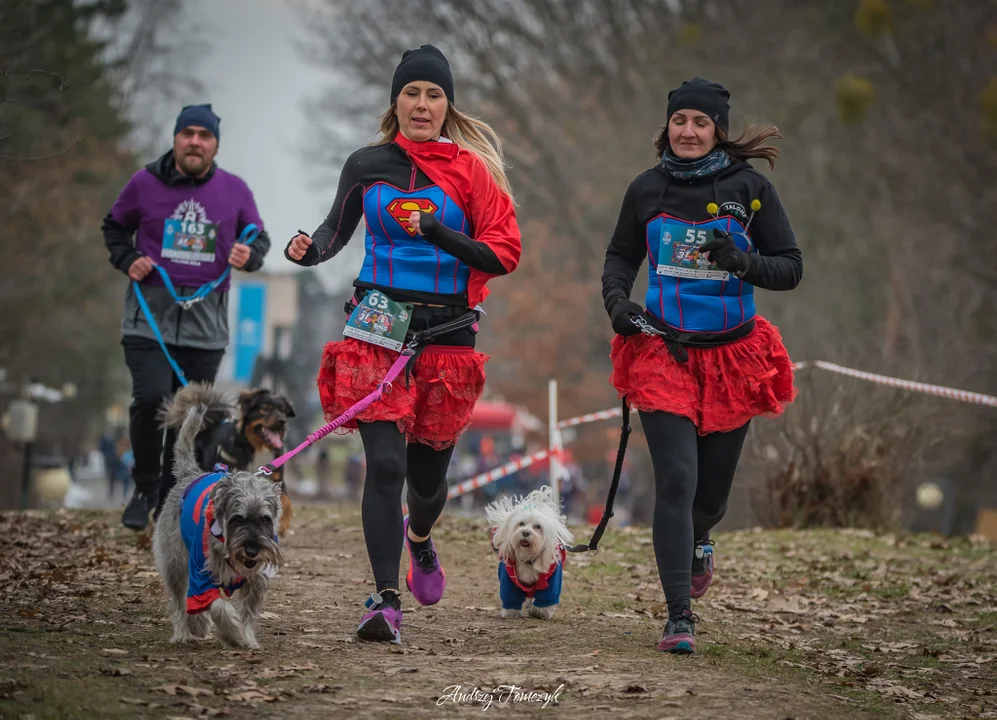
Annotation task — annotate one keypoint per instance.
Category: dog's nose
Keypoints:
(526, 533)
(252, 551)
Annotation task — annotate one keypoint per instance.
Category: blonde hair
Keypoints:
(468, 133)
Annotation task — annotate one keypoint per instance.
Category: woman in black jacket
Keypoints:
(712, 229)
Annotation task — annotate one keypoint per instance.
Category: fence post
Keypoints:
(554, 440)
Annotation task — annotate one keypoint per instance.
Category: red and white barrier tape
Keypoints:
(938, 390)
(487, 478)
(591, 417)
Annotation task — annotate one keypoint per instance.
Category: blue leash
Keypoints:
(249, 234)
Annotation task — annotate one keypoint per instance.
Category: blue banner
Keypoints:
(249, 329)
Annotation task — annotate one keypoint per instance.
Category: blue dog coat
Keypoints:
(546, 591)
(197, 522)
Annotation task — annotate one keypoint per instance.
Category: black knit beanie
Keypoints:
(707, 97)
(426, 63)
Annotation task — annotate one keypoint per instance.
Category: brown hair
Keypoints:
(468, 133)
(752, 143)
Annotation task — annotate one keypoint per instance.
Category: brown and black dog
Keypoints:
(242, 438)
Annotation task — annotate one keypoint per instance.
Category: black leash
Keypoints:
(593, 544)
(420, 339)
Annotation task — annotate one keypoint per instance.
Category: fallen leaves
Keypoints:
(910, 625)
(895, 690)
(253, 697)
(400, 670)
(184, 690)
(794, 604)
(322, 688)
(948, 623)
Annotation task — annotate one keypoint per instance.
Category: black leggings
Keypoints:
(692, 476)
(152, 382)
(389, 460)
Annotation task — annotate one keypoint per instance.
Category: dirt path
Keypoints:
(798, 625)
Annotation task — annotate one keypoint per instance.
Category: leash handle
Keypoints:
(248, 235)
(674, 346)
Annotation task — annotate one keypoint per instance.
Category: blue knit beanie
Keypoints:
(200, 115)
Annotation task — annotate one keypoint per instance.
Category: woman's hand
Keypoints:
(299, 246)
(723, 253)
(422, 223)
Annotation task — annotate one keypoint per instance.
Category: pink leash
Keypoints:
(351, 413)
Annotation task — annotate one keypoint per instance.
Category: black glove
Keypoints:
(311, 256)
(621, 313)
(428, 224)
(722, 252)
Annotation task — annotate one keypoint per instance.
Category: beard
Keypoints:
(193, 163)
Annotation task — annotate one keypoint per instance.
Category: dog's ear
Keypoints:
(286, 406)
(273, 501)
(248, 399)
(221, 496)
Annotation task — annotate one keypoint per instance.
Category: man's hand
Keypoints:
(299, 246)
(239, 256)
(140, 268)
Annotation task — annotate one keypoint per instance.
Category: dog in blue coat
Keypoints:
(529, 534)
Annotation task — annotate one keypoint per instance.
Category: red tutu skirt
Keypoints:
(718, 388)
(435, 407)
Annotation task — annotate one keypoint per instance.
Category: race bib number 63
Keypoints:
(379, 320)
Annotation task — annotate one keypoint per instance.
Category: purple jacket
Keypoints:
(188, 226)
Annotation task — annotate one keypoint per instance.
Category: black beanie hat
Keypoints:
(426, 63)
(707, 97)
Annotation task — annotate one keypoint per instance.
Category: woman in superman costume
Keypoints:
(440, 223)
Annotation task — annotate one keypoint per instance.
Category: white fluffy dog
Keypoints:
(529, 534)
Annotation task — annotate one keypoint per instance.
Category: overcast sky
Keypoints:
(258, 83)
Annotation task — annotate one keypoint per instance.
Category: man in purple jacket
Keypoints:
(184, 213)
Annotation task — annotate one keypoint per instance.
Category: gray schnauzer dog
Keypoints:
(216, 534)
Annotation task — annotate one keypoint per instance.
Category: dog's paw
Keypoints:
(511, 613)
(183, 639)
(542, 613)
(246, 642)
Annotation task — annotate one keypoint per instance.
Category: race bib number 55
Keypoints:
(679, 253)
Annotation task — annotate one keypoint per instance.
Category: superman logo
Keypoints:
(401, 208)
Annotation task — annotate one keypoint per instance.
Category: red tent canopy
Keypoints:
(493, 416)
